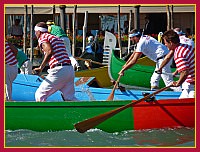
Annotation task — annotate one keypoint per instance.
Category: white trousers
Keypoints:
(26, 68)
(167, 78)
(68, 47)
(59, 78)
(187, 90)
(11, 74)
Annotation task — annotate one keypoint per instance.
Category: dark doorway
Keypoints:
(159, 21)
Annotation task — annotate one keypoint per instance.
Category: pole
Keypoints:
(25, 28)
(137, 17)
(74, 31)
(119, 32)
(168, 18)
(129, 29)
(85, 30)
(172, 17)
(54, 12)
(31, 35)
(62, 17)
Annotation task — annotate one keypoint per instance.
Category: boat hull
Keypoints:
(56, 116)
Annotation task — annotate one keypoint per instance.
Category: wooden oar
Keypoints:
(85, 125)
(78, 58)
(111, 96)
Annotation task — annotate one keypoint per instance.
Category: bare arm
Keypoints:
(130, 58)
(182, 78)
(134, 57)
(175, 73)
(165, 61)
(48, 53)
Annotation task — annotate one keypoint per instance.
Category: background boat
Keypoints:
(138, 75)
(102, 78)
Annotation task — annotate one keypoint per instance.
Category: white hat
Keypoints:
(90, 38)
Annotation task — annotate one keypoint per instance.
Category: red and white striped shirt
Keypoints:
(10, 58)
(184, 59)
(59, 51)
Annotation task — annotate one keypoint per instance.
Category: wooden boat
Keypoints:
(138, 75)
(102, 78)
(57, 116)
(24, 88)
(101, 75)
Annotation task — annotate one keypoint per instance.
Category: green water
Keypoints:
(179, 137)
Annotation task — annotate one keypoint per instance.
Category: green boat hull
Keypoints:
(57, 116)
(53, 116)
(138, 75)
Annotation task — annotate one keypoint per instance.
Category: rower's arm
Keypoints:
(167, 58)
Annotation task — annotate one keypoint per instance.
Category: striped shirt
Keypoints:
(59, 51)
(10, 58)
(184, 59)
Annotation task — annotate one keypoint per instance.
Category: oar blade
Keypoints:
(85, 125)
(111, 97)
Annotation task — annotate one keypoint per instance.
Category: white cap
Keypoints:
(90, 38)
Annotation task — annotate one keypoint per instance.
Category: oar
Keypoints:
(85, 125)
(78, 58)
(111, 96)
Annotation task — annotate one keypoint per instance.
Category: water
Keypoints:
(179, 137)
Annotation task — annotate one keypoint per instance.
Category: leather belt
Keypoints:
(62, 64)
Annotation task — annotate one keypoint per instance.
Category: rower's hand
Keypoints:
(175, 84)
(159, 71)
(37, 71)
(121, 72)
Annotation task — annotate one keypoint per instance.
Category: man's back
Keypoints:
(151, 47)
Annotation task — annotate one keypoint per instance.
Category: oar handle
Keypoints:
(85, 125)
(116, 83)
(111, 96)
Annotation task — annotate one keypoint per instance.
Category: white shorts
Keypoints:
(187, 90)
(59, 78)
(26, 68)
(167, 78)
